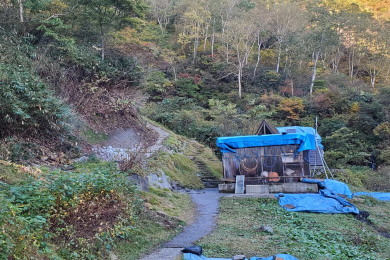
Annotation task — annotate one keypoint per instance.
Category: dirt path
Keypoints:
(122, 142)
(207, 206)
(162, 134)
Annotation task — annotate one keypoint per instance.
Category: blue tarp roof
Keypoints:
(301, 130)
(304, 140)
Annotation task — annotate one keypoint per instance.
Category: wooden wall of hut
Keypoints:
(266, 164)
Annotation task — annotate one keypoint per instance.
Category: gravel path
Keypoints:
(207, 205)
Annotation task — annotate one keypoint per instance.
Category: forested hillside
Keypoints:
(210, 68)
(72, 71)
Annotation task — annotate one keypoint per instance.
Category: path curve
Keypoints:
(122, 143)
(207, 207)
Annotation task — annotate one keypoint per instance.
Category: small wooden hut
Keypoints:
(267, 158)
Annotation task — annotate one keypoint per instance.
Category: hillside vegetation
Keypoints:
(73, 71)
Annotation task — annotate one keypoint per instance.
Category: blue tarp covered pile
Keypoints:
(328, 200)
(377, 195)
(190, 256)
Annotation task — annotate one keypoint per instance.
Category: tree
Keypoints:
(285, 18)
(162, 11)
(224, 12)
(377, 58)
(320, 38)
(193, 25)
(262, 33)
(241, 35)
(108, 14)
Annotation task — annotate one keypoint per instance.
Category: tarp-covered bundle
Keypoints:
(335, 186)
(329, 199)
(377, 195)
(317, 203)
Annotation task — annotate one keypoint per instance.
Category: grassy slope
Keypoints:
(181, 159)
(304, 235)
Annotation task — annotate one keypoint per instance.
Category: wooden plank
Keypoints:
(227, 179)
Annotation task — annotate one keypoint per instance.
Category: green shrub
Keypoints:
(28, 106)
(385, 156)
(186, 87)
(156, 84)
(378, 180)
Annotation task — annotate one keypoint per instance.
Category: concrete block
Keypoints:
(300, 187)
(275, 188)
(226, 187)
(258, 189)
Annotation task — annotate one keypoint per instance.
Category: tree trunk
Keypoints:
(212, 43)
(351, 57)
(174, 72)
(259, 43)
(227, 52)
(315, 57)
(279, 56)
(103, 42)
(160, 23)
(373, 74)
(21, 11)
(205, 38)
(196, 43)
(239, 83)
(240, 67)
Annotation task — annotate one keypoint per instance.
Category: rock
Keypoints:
(142, 183)
(44, 158)
(67, 167)
(159, 180)
(239, 257)
(267, 229)
(81, 159)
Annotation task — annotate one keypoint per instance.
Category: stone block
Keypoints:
(226, 187)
